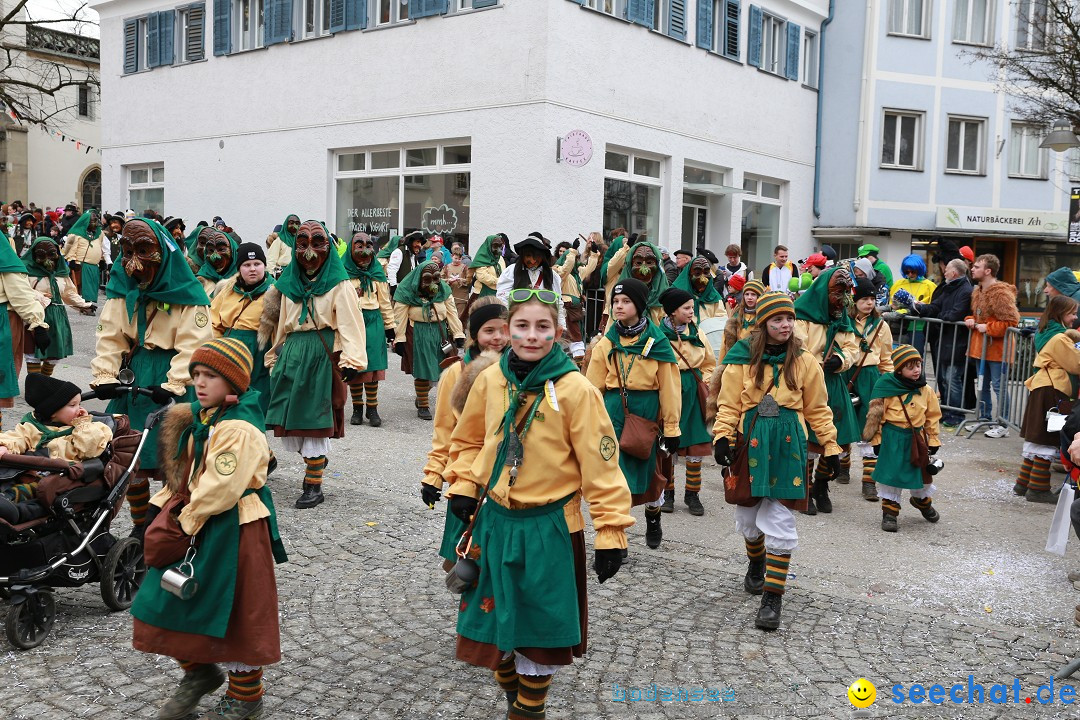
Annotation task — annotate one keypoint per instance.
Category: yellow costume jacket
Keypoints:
(87, 440)
(646, 374)
(338, 309)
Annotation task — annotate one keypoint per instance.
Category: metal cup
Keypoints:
(935, 466)
(448, 348)
(181, 585)
(462, 576)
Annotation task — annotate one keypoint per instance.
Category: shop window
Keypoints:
(760, 220)
(632, 191)
(901, 140)
(146, 187)
(376, 193)
(1037, 260)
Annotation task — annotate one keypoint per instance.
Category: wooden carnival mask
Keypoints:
(141, 252)
(700, 273)
(218, 250)
(312, 247)
(362, 249)
(643, 264)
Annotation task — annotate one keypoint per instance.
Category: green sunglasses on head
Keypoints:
(521, 295)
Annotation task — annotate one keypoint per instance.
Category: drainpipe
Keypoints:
(820, 102)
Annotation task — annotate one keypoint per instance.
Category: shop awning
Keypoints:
(711, 189)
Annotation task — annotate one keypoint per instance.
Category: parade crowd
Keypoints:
(535, 414)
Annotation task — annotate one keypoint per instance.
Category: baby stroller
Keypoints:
(71, 546)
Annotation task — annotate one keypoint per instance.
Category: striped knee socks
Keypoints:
(693, 475)
(356, 390)
(1040, 475)
(372, 391)
(845, 461)
(755, 549)
(47, 368)
(313, 470)
(920, 503)
(532, 698)
(776, 570)
(890, 507)
(1023, 479)
(507, 677)
(821, 474)
(422, 388)
(868, 465)
(138, 497)
(33, 367)
(245, 686)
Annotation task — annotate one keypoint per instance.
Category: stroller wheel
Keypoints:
(29, 623)
(122, 573)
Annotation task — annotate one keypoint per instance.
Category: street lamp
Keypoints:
(1061, 138)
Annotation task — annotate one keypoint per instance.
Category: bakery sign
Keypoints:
(1041, 222)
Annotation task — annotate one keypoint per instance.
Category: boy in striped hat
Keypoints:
(902, 407)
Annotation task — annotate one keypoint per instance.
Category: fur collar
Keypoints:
(875, 413)
(468, 376)
(173, 468)
(997, 301)
(268, 322)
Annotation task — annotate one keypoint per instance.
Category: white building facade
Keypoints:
(917, 144)
(687, 121)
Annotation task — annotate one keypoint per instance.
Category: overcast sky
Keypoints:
(48, 9)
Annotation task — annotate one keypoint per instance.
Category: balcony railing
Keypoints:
(56, 42)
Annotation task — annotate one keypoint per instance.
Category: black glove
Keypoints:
(390, 335)
(349, 374)
(108, 391)
(74, 265)
(607, 563)
(430, 494)
(459, 343)
(722, 452)
(877, 450)
(41, 338)
(934, 449)
(832, 363)
(399, 348)
(160, 395)
(463, 507)
(833, 461)
(1027, 331)
(670, 445)
(593, 247)
(576, 245)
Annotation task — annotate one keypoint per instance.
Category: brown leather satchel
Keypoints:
(920, 448)
(164, 542)
(639, 434)
(702, 387)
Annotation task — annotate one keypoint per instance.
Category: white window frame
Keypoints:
(906, 9)
(91, 102)
(917, 152)
(980, 147)
(183, 17)
(752, 188)
(320, 15)
(964, 28)
(1035, 133)
(142, 53)
(396, 8)
(811, 51)
(150, 183)
(630, 176)
(614, 8)
(1072, 164)
(773, 44)
(254, 37)
(1027, 20)
(406, 175)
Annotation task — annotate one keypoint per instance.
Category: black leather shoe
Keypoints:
(669, 502)
(694, 503)
(768, 616)
(312, 496)
(271, 466)
(755, 577)
(373, 416)
(423, 413)
(888, 523)
(929, 513)
(821, 497)
(811, 508)
(357, 415)
(653, 532)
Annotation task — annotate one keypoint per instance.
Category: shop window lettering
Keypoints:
(440, 220)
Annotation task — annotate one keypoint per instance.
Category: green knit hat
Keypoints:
(904, 353)
(755, 286)
(772, 304)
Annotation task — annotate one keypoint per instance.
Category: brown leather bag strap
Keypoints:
(691, 368)
(851, 382)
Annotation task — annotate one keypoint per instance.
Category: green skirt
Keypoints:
(485, 291)
(260, 376)
(526, 595)
(91, 282)
(427, 351)
(376, 340)
(59, 333)
(645, 403)
(151, 367)
(777, 456)
(864, 388)
(894, 466)
(301, 383)
(9, 379)
(844, 419)
(453, 529)
(692, 421)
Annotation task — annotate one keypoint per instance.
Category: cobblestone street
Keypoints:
(368, 626)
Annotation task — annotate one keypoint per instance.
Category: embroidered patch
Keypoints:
(201, 319)
(487, 604)
(796, 481)
(607, 447)
(100, 328)
(225, 463)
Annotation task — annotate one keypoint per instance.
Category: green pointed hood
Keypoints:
(174, 283)
(484, 257)
(813, 305)
(388, 249)
(296, 286)
(408, 290)
(207, 270)
(710, 296)
(368, 276)
(284, 235)
(82, 226)
(659, 283)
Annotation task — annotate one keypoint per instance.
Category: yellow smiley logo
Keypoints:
(862, 693)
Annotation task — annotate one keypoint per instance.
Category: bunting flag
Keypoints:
(63, 137)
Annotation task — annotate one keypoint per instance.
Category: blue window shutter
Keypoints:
(794, 42)
(337, 15)
(166, 37)
(131, 46)
(640, 12)
(277, 26)
(579, 2)
(196, 32)
(426, 8)
(704, 24)
(753, 51)
(153, 46)
(477, 4)
(222, 27)
(441, 7)
(356, 14)
(729, 45)
(676, 19)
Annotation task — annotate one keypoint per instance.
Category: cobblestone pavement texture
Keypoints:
(368, 627)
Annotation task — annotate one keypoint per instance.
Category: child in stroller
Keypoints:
(61, 428)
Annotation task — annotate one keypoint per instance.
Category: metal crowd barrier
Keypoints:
(593, 301)
(1018, 356)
